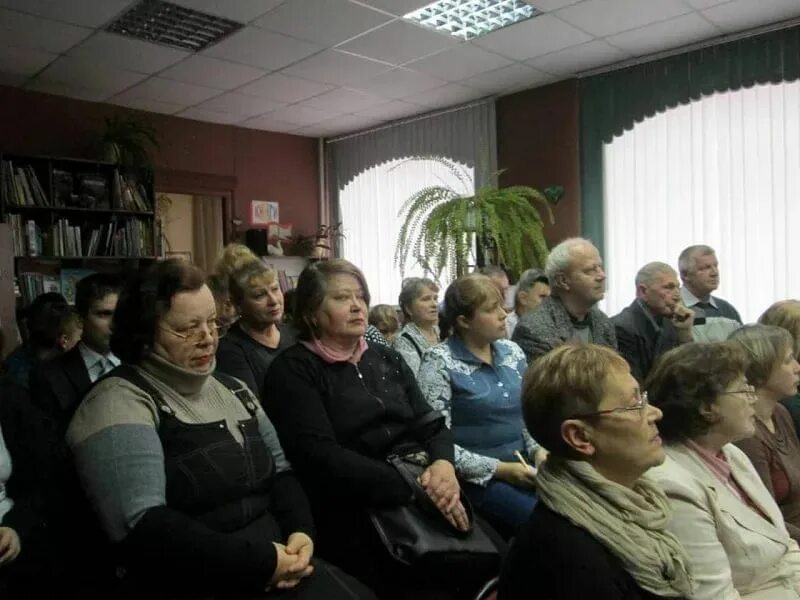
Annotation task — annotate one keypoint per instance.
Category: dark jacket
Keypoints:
(552, 559)
(640, 343)
(549, 325)
(240, 356)
(338, 422)
(58, 386)
(31, 447)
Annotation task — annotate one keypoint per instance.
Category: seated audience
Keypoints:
(59, 385)
(655, 322)
(255, 339)
(232, 258)
(341, 408)
(183, 467)
(419, 302)
(29, 559)
(384, 317)
(774, 450)
(45, 337)
(474, 378)
(726, 519)
(531, 289)
(715, 318)
(577, 282)
(599, 528)
(499, 277)
(786, 314)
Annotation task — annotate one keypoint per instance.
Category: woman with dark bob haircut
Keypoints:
(342, 407)
(730, 525)
(181, 465)
(599, 528)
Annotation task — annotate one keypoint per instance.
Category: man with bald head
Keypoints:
(577, 283)
(656, 321)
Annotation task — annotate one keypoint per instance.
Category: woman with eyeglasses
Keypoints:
(599, 528)
(259, 335)
(774, 450)
(725, 517)
(182, 466)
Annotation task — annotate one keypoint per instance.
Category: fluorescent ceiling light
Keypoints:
(172, 25)
(469, 19)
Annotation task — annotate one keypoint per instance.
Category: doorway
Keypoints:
(192, 227)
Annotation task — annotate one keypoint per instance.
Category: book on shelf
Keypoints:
(118, 237)
(129, 193)
(21, 186)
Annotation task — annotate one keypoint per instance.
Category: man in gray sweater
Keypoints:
(577, 281)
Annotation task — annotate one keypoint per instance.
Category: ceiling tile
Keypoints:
(701, 4)
(507, 77)
(397, 7)
(167, 108)
(398, 83)
(210, 116)
(90, 75)
(17, 29)
(392, 110)
(128, 53)
(324, 22)
(24, 61)
(345, 100)
(70, 91)
(551, 5)
(269, 123)
(339, 125)
(448, 95)
(398, 42)
(579, 58)
(258, 48)
(282, 88)
(167, 90)
(239, 104)
(459, 63)
(541, 35)
(607, 17)
(336, 67)
(739, 15)
(212, 72)
(88, 13)
(242, 11)
(674, 33)
(302, 115)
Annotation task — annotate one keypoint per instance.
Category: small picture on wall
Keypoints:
(187, 256)
(262, 213)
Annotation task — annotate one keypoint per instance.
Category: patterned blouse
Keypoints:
(411, 343)
(450, 373)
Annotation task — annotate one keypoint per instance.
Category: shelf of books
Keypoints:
(67, 216)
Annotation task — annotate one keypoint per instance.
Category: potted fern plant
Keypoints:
(442, 225)
(128, 141)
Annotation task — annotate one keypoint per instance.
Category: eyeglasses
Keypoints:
(748, 390)
(195, 335)
(641, 404)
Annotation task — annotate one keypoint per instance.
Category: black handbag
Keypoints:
(418, 534)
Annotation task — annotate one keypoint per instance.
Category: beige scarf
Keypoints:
(629, 522)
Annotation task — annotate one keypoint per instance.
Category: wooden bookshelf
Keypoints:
(65, 213)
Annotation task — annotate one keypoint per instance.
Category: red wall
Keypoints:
(259, 165)
(538, 143)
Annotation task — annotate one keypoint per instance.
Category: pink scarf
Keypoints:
(330, 355)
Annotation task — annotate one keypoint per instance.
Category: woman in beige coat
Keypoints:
(723, 515)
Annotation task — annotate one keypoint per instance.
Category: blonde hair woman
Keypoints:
(786, 314)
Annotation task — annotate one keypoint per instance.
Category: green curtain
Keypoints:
(613, 102)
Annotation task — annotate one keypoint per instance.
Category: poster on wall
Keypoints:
(262, 213)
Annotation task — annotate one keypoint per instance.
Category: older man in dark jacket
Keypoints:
(655, 322)
(577, 282)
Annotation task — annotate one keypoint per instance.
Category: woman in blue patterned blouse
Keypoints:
(475, 379)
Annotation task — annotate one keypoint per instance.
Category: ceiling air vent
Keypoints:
(172, 25)
(470, 19)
